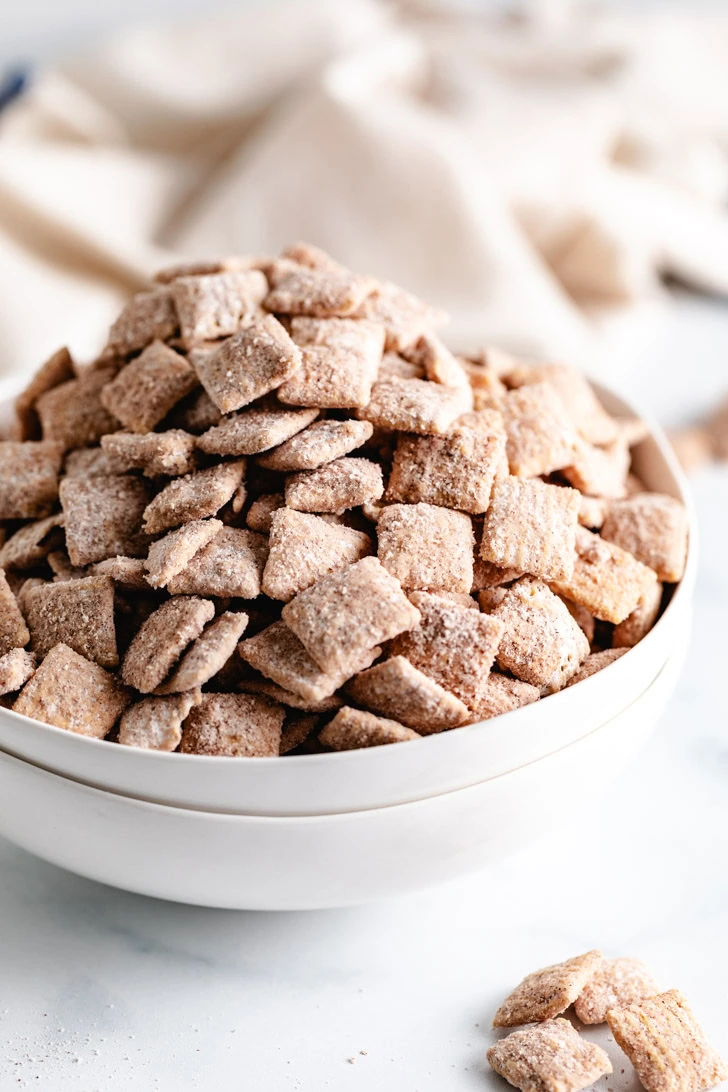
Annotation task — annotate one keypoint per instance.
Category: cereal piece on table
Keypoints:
(145, 390)
(170, 453)
(148, 316)
(16, 667)
(531, 527)
(216, 305)
(596, 661)
(427, 548)
(692, 447)
(551, 1057)
(303, 548)
(319, 444)
(194, 496)
(170, 555)
(585, 621)
(345, 614)
(209, 653)
(340, 361)
(231, 564)
(260, 513)
(28, 478)
(288, 697)
(606, 580)
(577, 395)
(76, 613)
(249, 364)
(103, 518)
(31, 544)
(455, 471)
(542, 644)
(593, 512)
(654, 529)
(436, 361)
(540, 437)
(155, 724)
(233, 726)
(501, 694)
(404, 317)
(548, 992)
(69, 691)
(401, 692)
(13, 630)
(453, 645)
(296, 731)
(278, 654)
(352, 729)
(196, 413)
(72, 413)
(56, 370)
(91, 462)
(323, 291)
(631, 631)
(255, 430)
(161, 640)
(618, 982)
(666, 1045)
(415, 405)
(344, 483)
(600, 471)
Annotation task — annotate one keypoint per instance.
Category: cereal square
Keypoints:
(345, 614)
(71, 692)
(427, 548)
(148, 316)
(194, 496)
(540, 438)
(454, 645)
(127, 572)
(542, 644)
(654, 529)
(93, 462)
(344, 483)
(260, 514)
(352, 729)
(404, 317)
(577, 395)
(255, 430)
(531, 527)
(323, 291)
(666, 1045)
(551, 1057)
(170, 555)
(606, 580)
(28, 478)
(436, 361)
(209, 653)
(401, 692)
(13, 630)
(233, 726)
(501, 694)
(146, 389)
(317, 445)
(296, 730)
(596, 661)
(56, 370)
(168, 454)
(231, 564)
(277, 653)
(455, 471)
(76, 613)
(31, 544)
(16, 667)
(415, 405)
(638, 624)
(599, 471)
(161, 640)
(155, 724)
(287, 697)
(618, 982)
(197, 412)
(593, 512)
(103, 518)
(216, 305)
(73, 414)
(339, 363)
(548, 992)
(249, 364)
(303, 548)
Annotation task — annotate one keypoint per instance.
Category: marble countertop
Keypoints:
(102, 990)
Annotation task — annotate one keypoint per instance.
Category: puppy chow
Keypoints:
(340, 361)
(531, 527)
(426, 547)
(321, 291)
(296, 730)
(501, 694)
(415, 405)
(654, 529)
(233, 726)
(303, 548)
(551, 1057)
(170, 555)
(547, 993)
(56, 370)
(596, 661)
(289, 698)
(618, 982)
(335, 487)
(193, 496)
(319, 444)
(255, 430)
(208, 654)
(158, 454)
(103, 517)
(16, 667)
(161, 640)
(216, 305)
(540, 437)
(261, 511)
(577, 395)
(31, 544)
(145, 390)
(352, 729)
(399, 691)
(13, 630)
(29, 478)
(454, 471)
(599, 471)
(606, 579)
(638, 624)
(148, 316)
(404, 317)
(155, 724)
(248, 365)
(436, 361)
(78, 613)
(231, 565)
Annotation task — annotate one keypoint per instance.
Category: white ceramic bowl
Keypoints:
(385, 776)
(298, 863)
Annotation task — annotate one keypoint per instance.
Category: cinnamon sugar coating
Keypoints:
(16, 667)
(303, 548)
(248, 365)
(319, 444)
(233, 725)
(260, 514)
(339, 363)
(56, 370)
(599, 471)
(455, 471)
(618, 982)
(296, 730)
(28, 546)
(155, 724)
(415, 405)
(208, 654)
(344, 483)
(77, 613)
(161, 640)
(215, 305)
(606, 580)
(399, 691)
(255, 430)
(13, 630)
(288, 697)
(540, 437)
(352, 729)
(322, 291)
(654, 529)
(145, 390)
(596, 661)
(73, 414)
(551, 1057)
(169, 556)
(638, 624)
(148, 316)
(501, 694)
(426, 547)
(548, 992)
(404, 317)
(103, 518)
(577, 396)
(28, 478)
(231, 564)
(194, 496)
(531, 527)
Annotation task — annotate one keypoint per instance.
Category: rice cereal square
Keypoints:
(551, 1057)
(606, 580)
(340, 360)
(248, 365)
(77, 613)
(415, 405)
(255, 430)
(531, 527)
(194, 496)
(454, 471)
(103, 518)
(426, 547)
(303, 548)
(233, 725)
(548, 992)
(653, 528)
(399, 691)
(352, 729)
(145, 390)
(215, 305)
(337, 486)
(29, 478)
(540, 437)
(231, 564)
(73, 414)
(13, 630)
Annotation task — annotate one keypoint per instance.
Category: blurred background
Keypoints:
(553, 173)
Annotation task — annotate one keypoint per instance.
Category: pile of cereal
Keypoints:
(278, 515)
(657, 1031)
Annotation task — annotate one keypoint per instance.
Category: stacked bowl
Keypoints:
(323, 830)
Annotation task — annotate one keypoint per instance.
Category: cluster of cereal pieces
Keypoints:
(278, 515)
(657, 1031)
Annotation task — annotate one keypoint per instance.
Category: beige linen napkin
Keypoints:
(529, 174)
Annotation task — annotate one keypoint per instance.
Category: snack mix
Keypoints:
(278, 516)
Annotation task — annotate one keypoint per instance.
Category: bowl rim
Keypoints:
(682, 591)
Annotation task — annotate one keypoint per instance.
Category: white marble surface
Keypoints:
(101, 990)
